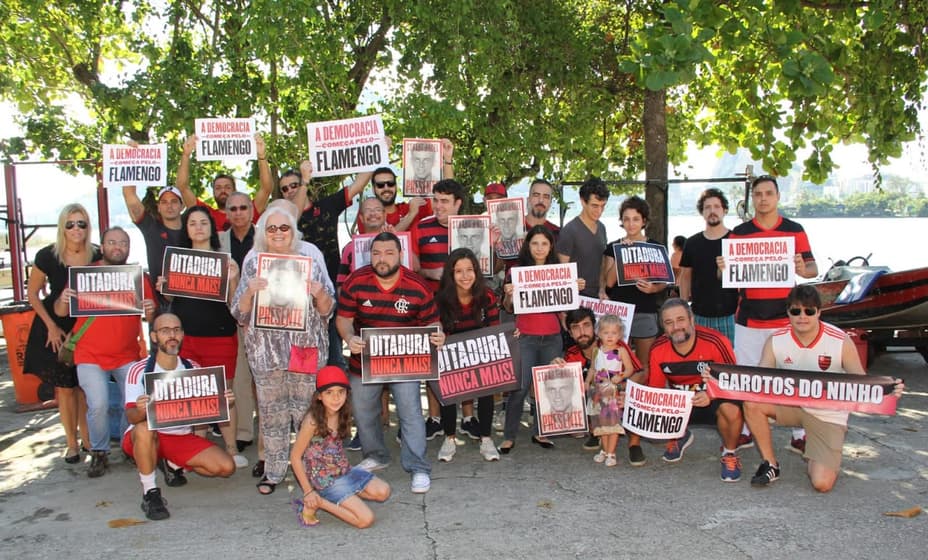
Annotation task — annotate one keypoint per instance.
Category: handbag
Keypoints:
(303, 359)
(66, 350)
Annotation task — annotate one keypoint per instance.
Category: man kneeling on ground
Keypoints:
(179, 446)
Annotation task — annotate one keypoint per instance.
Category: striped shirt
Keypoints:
(430, 243)
(710, 346)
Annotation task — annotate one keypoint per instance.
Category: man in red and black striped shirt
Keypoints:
(387, 294)
(430, 236)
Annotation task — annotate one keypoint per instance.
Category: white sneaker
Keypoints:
(488, 450)
(448, 448)
(600, 457)
(421, 483)
(611, 461)
(370, 465)
(240, 461)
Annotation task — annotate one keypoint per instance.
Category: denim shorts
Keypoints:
(346, 486)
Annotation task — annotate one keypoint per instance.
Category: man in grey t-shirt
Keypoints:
(583, 239)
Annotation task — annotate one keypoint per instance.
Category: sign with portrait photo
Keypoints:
(347, 146)
(545, 288)
(508, 214)
(105, 290)
(361, 249)
(559, 399)
(225, 139)
(186, 397)
(472, 232)
(642, 261)
(195, 274)
(398, 354)
(127, 166)
(284, 303)
(422, 161)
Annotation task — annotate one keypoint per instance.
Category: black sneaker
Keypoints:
(766, 473)
(470, 429)
(635, 456)
(172, 477)
(214, 429)
(433, 428)
(154, 506)
(241, 444)
(99, 463)
(355, 443)
(591, 443)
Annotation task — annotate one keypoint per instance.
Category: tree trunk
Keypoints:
(655, 152)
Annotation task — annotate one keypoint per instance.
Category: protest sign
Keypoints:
(195, 274)
(477, 363)
(836, 391)
(508, 214)
(600, 307)
(186, 397)
(559, 399)
(398, 354)
(105, 290)
(422, 159)
(225, 138)
(549, 287)
(656, 413)
(759, 262)
(143, 165)
(283, 304)
(347, 146)
(472, 232)
(361, 249)
(642, 261)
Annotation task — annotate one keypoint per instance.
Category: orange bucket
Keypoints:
(16, 324)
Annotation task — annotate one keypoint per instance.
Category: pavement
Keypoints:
(533, 503)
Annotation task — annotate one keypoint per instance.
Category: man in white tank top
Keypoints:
(812, 345)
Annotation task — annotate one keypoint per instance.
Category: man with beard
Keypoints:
(386, 294)
(676, 360)
(401, 215)
(160, 233)
(581, 324)
(174, 446)
(108, 346)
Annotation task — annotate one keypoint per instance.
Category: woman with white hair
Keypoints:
(283, 379)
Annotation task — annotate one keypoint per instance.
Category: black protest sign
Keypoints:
(195, 274)
(642, 261)
(398, 354)
(186, 397)
(105, 290)
(477, 363)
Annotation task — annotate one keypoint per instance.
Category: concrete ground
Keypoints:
(534, 503)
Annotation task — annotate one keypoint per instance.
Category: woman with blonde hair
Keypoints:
(71, 248)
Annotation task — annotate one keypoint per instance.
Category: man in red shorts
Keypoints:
(179, 446)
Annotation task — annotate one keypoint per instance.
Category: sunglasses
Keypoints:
(274, 229)
(384, 184)
(289, 187)
(79, 223)
(809, 311)
(241, 208)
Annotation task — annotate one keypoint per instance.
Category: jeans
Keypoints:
(94, 380)
(535, 350)
(336, 352)
(365, 400)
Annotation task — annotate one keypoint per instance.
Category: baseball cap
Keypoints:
(331, 376)
(172, 190)
(497, 189)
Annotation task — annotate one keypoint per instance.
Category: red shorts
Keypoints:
(177, 449)
(209, 351)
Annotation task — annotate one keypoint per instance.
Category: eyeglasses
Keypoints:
(384, 184)
(114, 243)
(79, 223)
(274, 229)
(168, 331)
(241, 208)
(795, 311)
(289, 187)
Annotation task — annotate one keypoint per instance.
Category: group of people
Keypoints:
(298, 377)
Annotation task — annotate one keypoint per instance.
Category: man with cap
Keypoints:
(160, 233)
(495, 191)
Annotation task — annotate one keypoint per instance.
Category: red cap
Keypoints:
(331, 376)
(497, 189)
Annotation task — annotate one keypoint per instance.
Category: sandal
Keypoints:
(258, 470)
(307, 519)
(266, 487)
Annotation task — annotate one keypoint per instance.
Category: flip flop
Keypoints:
(266, 487)
(310, 521)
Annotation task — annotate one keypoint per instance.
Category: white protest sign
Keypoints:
(143, 165)
(225, 138)
(656, 413)
(600, 307)
(545, 288)
(759, 262)
(347, 146)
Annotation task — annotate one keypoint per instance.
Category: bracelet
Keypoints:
(308, 492)
(448, 162)
(262, 159)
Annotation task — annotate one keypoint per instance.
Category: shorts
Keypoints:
(749, 344)
(178, 449)
(347, 485)
(724, 324)
(708, 415)
(209, 351)
(644, 325)
(824, 440)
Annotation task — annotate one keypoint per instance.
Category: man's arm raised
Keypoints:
(133, 203)
(183, 172)
(265, 180)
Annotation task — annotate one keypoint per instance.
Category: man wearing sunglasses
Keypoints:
(160, 233)
(224, 184)
(401, 215)
(811, 345)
